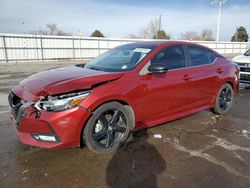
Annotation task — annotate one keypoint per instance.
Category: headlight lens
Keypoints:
(61, 102)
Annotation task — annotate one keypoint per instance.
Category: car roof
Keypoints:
(161, 42)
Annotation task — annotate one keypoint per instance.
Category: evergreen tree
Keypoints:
(161, 34)
(97, 33)
(240, 35)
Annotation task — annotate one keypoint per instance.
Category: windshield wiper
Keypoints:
(94, 68)
(80, 65)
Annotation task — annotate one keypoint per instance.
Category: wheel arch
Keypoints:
(216, 107)
(123, 102)
(228, 81)
(234, 85)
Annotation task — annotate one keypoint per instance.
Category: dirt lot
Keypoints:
(202, 150)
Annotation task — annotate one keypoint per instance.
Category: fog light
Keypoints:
(47, 138)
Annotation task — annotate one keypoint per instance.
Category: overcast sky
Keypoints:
(120, 18)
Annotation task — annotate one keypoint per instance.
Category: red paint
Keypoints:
(154, 98)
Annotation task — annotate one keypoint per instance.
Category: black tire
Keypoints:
(224, 99)
(108, 127)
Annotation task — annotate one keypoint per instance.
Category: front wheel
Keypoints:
(108, 127)
(224, 99)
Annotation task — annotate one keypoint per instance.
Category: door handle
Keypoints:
(220, 70)
(187, 77)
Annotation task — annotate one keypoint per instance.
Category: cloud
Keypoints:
(117, 20)
(180, 21)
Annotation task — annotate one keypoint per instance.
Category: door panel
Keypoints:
(170, 93)
(205, 74)
(205, 79)
(166, 94)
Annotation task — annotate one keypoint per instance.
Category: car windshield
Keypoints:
(247, 53)
(120, 59)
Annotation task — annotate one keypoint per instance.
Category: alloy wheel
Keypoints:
(225, 98)
(110, 128)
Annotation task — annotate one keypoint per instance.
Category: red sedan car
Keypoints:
(130, 87)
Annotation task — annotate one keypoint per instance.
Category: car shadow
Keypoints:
(136, 164)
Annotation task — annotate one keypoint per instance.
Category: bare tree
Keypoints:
(50, 29)
(190, 35)
(207, 35)
(132, 36)
(149, 30)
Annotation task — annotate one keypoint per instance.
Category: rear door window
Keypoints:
(211, 57)
(199, 56)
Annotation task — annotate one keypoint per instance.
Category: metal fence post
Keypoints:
(99, 52)
(5, 49)
(41, 41)
(225, 48)
(73, 48)
(37, 52)
(80, 47)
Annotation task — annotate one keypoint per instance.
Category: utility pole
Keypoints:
(236, 37)
(159, 27)
(220, 3)
(160, 23)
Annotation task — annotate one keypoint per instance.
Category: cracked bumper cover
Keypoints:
(65, 126)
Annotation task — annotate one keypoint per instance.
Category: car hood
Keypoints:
(61, 80)
(241, 59)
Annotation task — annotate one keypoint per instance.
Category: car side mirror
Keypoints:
(157, 68)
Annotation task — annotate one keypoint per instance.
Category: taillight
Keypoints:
(237, 67)
(237, 72)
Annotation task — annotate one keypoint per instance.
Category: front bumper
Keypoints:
(65, 126)
(245, 77)
(244, 72)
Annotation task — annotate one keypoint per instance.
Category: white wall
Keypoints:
(18, 47)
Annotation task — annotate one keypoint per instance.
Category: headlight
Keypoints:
(61, 102)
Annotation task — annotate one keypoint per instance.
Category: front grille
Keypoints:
(245, 77)
(15, 103)
(245, 69)
(243, 64)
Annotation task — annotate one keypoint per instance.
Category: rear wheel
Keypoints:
(224, 99)
(108, 127)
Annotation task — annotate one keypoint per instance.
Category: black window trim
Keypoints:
(144, 70)
(246, 52)
(179, 45)
(189, 58)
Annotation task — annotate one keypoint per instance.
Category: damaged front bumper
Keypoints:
(47, 129)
